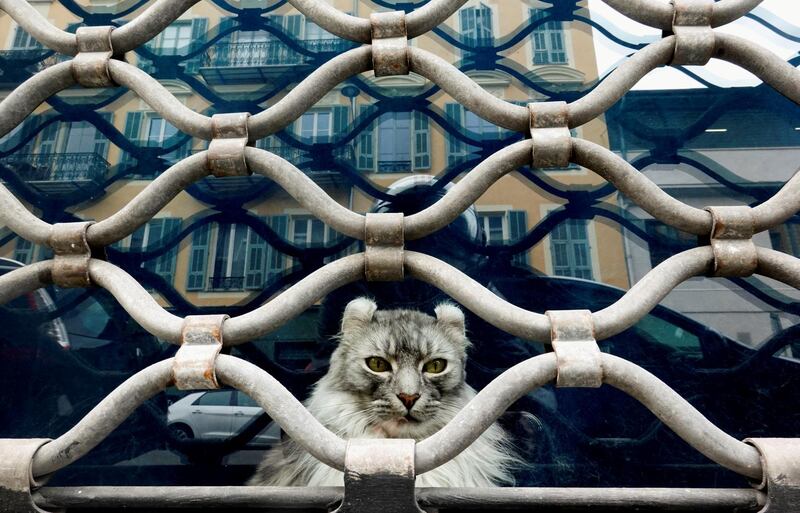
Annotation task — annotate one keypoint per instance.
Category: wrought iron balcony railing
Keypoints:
(226, 283)
(268, 53)
(57, 167)
(394, 166)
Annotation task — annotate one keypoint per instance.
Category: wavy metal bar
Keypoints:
(780, 207)
(160, 100)
(477, 298)
(306, 192)
(158, 193)
(760, 62)
(654, 394)
(136, 300)
(659, 14)
(308, 92)
(20, 220)
(293, 301)
(779, 266)
(148, 24)
(651, 289)
(359, 29)
(24, 280)
(278, 402)
(639, 188)
(33, 92)
(467, 92)
(467, 190)
(621, 80)
(675, 412)
(39, 27)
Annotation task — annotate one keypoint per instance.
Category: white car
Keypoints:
(218, 415)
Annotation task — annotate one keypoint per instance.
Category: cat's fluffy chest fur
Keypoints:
(407, 401)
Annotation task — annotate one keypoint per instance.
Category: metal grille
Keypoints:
(689, 38)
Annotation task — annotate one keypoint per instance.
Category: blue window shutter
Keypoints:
(455, 147)
(199, 29)
(339, 121)
(294, 25)
(48, 138)
(100, 140)
(277, 260)
(422, 141)
(133, 123)
(518, 228)
(256, 259)
(198, 259)
(165, 264)
(366, 144)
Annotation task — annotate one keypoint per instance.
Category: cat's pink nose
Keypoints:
(408, 399)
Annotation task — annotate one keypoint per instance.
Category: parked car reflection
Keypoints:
(218, 415)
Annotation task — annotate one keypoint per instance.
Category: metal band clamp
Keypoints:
(552, 141)
(389, 43)
(577, 352)
(379, 476)
(226, 150)
(71, 254)
(694, 38)
(735, 253)
(384, 238)
(16, 476)
(195, 361)
(780, 461)
(90, 65)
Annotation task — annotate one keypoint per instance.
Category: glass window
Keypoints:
(476, 25)
(570, 252)
(316, 126)
(547, 40)
(245, 400)
(220, 398)
(177, 36)
(394, 142)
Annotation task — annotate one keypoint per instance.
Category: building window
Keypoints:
(241, 258)
(665, 241)
(71, 151)
(24, 41)
(175, 38)
(151, 237)
(476, 25)
(402, 144)
(548, 40)
(569, 249)
(504, 228)
(316, 126)
(161, 131)
(476, 128)
(23, 252)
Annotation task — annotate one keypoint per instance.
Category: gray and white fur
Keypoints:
(354, 401)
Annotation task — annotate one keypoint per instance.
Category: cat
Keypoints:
(394, 374)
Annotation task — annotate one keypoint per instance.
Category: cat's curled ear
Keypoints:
(451, 319)
(357, 314)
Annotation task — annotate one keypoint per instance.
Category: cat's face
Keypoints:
(403, 367)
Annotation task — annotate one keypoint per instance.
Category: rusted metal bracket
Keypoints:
(384, 238)
(780, 461)
(201, 341)
(90, 65)
(694, 38)
(552, 141)
(577, 352)
(389, 43)
(226, 150)
(379, 476)
(16, 477)
(735, 253)
(71, 254)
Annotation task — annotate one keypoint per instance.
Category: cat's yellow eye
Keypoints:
(435, 366)
(378, 364)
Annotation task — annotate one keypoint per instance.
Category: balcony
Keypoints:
(222, 283)
(17, 65)
(259, 61)
(394, 166)
(58, 173)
